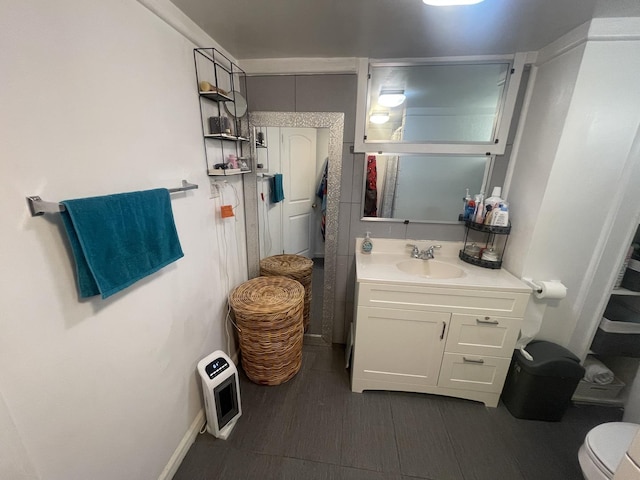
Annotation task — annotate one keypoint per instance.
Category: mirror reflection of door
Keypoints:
(298, 156)
(293, 226)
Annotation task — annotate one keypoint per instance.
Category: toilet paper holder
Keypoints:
(552, 289)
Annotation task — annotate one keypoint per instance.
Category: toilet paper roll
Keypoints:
(550, 290)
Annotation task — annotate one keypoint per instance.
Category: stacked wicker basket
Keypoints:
(295, 267)
(268, 312)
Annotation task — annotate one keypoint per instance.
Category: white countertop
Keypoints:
(380, 267)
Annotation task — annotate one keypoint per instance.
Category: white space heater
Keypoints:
(221, 393)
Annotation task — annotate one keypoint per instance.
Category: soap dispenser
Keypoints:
(367, 244)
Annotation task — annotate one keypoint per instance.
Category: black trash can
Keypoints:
(541, 389)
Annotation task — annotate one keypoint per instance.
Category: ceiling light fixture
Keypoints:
(379, 117)
(391, 97)
(449, 3)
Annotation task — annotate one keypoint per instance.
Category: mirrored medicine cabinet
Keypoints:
(433, 128)
(457, 106)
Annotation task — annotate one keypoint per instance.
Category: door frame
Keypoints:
(335, 123)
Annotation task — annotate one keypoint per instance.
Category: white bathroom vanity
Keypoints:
(438, 326)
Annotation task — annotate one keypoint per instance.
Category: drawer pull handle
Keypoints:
(444, 327)
(488, 321)
(472, 360)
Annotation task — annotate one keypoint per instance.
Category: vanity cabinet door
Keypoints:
(399, 346)
(483, 335)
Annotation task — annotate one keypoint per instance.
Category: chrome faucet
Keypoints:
(425, 254)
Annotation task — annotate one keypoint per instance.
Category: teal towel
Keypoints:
(277, 192)
(119, 239)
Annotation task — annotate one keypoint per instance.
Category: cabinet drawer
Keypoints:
(439, 299)
(483, 335)
(473, 372)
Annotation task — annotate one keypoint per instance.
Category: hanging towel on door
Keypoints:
(119, 239)
(277, 191)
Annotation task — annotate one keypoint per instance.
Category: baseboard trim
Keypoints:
(183, 447)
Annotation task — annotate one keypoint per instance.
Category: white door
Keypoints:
(298, 153)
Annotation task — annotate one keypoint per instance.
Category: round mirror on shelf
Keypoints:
(237, 108)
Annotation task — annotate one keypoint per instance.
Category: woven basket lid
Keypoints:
(266, 295)
(286, 263)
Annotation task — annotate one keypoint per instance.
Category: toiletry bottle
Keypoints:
(479, 214)
(476, 199)
(494, 200)
(467, 199)
(471, 208)
(501, 217)
(367, 244)
(488, 217)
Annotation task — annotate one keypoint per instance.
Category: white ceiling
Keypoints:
(251, 29)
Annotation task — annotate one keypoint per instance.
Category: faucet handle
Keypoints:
(428, 252)
(415, 251)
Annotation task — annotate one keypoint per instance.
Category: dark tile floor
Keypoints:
(314, 427)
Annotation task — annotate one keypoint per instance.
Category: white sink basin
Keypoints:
(390, 263)
(430, 268)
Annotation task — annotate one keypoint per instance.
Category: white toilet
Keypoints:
(604, 448)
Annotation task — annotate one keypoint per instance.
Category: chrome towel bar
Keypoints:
(37, 206)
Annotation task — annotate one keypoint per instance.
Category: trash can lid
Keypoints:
(550, 360)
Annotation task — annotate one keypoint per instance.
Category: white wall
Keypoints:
(582, 120)
(542, 128)
(97, 98)
(15, 462)
(598, 133)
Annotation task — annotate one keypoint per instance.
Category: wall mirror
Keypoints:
(299, 146)
(421, 188)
